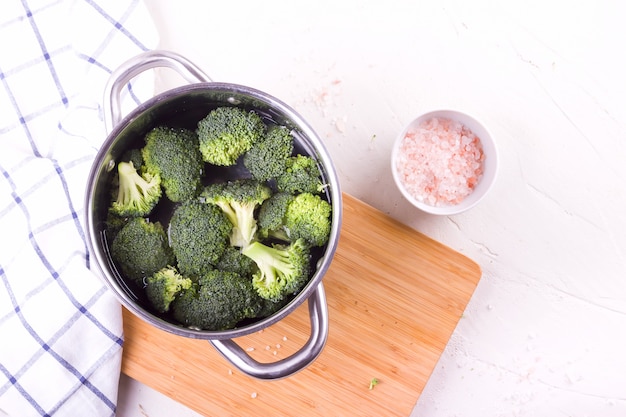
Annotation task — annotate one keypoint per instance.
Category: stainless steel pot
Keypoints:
(185, 106)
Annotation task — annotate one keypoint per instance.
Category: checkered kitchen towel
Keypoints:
(60, 329)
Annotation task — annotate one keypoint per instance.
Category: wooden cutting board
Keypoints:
(394, 298)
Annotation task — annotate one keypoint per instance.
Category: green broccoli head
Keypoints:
(270, 307)
(268, 157)
(137, 195)
(226, 133)
(282, 269)
(133, 155)
(140, 249)
(308, 217)
(301, 175)
(198, 236)
(113, 224)
(271, 217)
(218, 301)
(163, 286)
(233, 260)
(174, 155)
(238, 200)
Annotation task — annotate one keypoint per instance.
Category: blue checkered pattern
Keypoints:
(60, 329)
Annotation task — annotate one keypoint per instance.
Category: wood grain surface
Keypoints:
(394, 298)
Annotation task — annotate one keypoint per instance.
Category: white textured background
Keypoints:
(545, 332)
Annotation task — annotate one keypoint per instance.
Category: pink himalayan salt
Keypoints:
(440, 162)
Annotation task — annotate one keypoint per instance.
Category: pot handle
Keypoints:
(135, 66)
(318, 314)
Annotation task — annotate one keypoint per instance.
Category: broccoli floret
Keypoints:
(270, 307)
(282, 269)
(140, 249)
(287, 217)
(137, 195)
(218, 301)
(113, 224)
(271, 218)
(301, 175)
(373, 383)
(226, 133)
(267, 158)
(233, 260)
(198, 236)
(308, 217)
(238, 200)
(134, 156)
(163, 286)
(174, 155)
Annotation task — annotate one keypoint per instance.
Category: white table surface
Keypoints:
(545, 332)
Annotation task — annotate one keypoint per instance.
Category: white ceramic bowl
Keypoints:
(489, 164)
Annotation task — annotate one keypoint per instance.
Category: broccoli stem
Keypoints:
(242, 218)
(275, 269)
(246, 227)
(269, 259)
